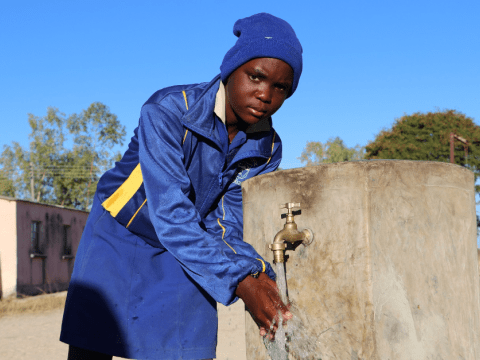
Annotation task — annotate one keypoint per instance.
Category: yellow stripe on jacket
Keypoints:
(124, 193)
(186, 105)
(115, 202)
(273, 144)
(223, 228)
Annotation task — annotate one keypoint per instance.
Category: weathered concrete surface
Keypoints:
(28, 268)
(391, 272)
(53, 272)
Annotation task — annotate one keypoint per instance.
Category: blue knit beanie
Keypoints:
(264, 35)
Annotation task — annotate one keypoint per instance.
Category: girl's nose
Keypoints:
(265, 94)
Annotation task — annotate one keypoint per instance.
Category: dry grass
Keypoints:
(32, 304)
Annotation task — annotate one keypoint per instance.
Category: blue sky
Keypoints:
(365, 63)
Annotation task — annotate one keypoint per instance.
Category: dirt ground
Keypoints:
(35, 336)
(32, 336)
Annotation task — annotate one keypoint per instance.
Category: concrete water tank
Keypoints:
(392, 272)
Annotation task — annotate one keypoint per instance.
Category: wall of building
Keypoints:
(46, 266)
(8, 247)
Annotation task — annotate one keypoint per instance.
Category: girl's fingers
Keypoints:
(287, 315)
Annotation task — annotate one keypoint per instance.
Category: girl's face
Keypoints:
(256, 90)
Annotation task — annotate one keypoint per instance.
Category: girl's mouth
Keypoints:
(256, 113)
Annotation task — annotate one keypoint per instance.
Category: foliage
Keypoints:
(6, 185)
(427, 137)
(62, 176)
(334, 150)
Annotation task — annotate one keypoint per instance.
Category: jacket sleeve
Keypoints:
(176, 221)
(225, 222)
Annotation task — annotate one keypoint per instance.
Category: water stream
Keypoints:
(281, 281)
(293, 340)
(277, 349)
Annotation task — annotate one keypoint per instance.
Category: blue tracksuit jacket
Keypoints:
(178, 186)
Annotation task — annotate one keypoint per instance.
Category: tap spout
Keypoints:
(292, 236)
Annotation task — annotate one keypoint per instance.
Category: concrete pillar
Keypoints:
(392, 272)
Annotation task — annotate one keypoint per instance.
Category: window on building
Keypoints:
(67, 240)
(35, 236)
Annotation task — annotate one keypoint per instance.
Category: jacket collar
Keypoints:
(200, 118)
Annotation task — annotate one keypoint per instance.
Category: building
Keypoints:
(38, 243)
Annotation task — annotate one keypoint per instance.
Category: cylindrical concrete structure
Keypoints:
(392, 272)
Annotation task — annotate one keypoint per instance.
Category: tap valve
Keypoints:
(290, 207)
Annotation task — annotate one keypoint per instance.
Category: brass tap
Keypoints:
(289, 233)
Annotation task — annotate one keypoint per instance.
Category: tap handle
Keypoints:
(290, 206)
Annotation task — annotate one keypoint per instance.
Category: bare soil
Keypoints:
(32, 336)
(31, 330)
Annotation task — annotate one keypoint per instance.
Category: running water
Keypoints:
(281, 281)
(277, 349)
(291, 341)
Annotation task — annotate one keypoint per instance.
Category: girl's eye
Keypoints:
(253, 77)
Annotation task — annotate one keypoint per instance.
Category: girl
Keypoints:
(163, 242)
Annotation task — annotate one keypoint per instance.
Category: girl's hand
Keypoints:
(264, 303)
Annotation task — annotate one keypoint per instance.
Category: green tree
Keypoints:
(427, 137)
(22, 165)
(7, 187)
(7, 173)
(51, 173)
(334, 150)
(96, 131)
